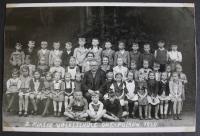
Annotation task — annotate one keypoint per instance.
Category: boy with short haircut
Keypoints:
(17, 57)
(44, 52)
(96, 111)
(135, 54)
(30, 52)
(122, 53)
(161, 55)
(56, 53)
(147, 55)
(66, 55)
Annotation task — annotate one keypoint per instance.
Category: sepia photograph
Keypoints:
(99, 67)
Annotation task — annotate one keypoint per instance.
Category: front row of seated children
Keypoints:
(122, 97)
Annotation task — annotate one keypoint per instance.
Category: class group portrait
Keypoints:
(99, 77)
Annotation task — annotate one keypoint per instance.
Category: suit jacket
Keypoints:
(95, 83)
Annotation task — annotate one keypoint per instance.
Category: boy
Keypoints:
(17, 57)
(147, 55)
(113, 108)
(135, 54)
(122, 54)
(161, 55)
(55, 53)
(96, 111)
(44, 52)
(67, 53)
(30, 52)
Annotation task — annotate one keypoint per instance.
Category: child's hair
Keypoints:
(15, 72)
(56, 43)
(121, 42)
(57, 59)
(174, 45)
(95, 94)
(135, 43)
(151, 72)
(107, 41)
(117, 74)
(18, 44)
(90, 53)
(69, 43)
(130, 72)
(24, 68)
(72, 57)
(161, 41)
(145, 61)
(45, 42)
(147, 45)
(109, 74)
(48, 74)
(75, 92)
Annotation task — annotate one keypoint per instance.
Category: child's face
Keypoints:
(161, 44)
(90, 56)
(31, 45)
(67, 78)
(57, 76)
(48, 77)
(57, 63)
(164, 76)
(121, 46)
(78, 77)
(44, 45)
(156, 67)
(25, 73)
(168, 68)
(78, 95)
(18, 47)
(81, 41)
(95, 42)
(95, 99)
(119, 62)
(105, 61)
(37, 75)
(72, 62)
(135, 47)
(140, 77)
(178, 69)
(151, 76)
(68, 46)
(27, 61)
(174, 48)
(108, 45)
(14, 75)
(56, 46)
(118, 78)
(112, 99)
(130, 76)
(145, 64)
(110, 76)
(133, 66)
(147, 48)
(175, 76)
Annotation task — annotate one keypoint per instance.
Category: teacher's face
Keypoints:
(94, 66)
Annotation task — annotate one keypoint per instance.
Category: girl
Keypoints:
(175, 56)
(80, 52)
(152, 97)
(77, 82)
(176, 89)
(36, 86)
(183, 79)
(17, 57)
(43, 67)
(142, 96)
(24, 91)
(13, 85)
(77, 108)
(122, 54)
(46, 93)
(105, 64)
(69, 90)
(30, 52)
(145, 69)
(120, 90)
(131, 95)
(57, 68)
(156, 72)
(72, 68)
(96, 49)
(86, 63)
(120, 69)
(55, 53)
(163, 94)
(57, 88)
(109, 53)
(107, 84)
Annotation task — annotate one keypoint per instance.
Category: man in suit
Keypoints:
(93, 80)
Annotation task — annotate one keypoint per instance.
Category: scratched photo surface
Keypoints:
(31, 102)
